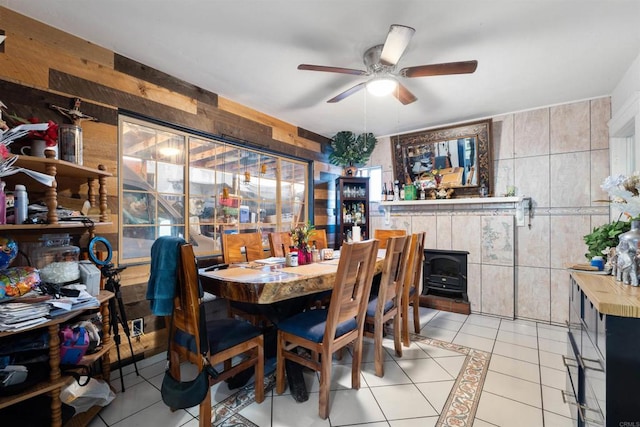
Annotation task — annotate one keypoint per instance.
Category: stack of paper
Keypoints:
(64, 305)
(15, 316)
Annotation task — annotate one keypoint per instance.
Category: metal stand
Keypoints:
(117, 313)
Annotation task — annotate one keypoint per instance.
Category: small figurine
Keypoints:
(74, 114)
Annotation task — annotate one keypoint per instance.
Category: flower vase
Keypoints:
(304, 256)
(627, 270)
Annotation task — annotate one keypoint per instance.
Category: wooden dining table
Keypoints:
(263, 282)
(273, 286)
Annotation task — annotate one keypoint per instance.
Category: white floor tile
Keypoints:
(515, 368)
(556, 334)
(513, 388)
(551, 360)
(553, 402)
(438, 333)
(393, 375)
(452, 316)
(445, 323)
(134, 399)
(354, 407)
(434, 351)
(424, 370)
(486, 321)
(451, 364)
(517, 338)
(380, 424)
(505, 412)
(480, 331)
(519, 326)
(402, 401)
(555, 420)
(305, 414)
(553, 377)
(552, 346)
(484, 344)
(155, 415)
(258, 413)
(414, 351)
(436, 392)
(415, 422)
(480, 423)
(514, 351)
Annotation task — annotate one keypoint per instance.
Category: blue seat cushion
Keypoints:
(373, 303)
(311, 325)
(225, 333)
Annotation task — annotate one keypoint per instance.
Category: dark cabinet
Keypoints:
(352, 208)
(603, 354)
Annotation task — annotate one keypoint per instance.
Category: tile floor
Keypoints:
(522, 386)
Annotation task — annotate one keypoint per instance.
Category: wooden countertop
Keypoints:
(608, 295)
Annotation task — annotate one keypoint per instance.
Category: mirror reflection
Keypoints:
(454, 160)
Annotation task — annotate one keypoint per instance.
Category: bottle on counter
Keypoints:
(396, 190)
(390, 194)
(21, 204)
(383, 196)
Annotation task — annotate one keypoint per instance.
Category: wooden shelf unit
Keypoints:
(53, 386)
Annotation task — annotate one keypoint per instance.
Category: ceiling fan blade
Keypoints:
(404, 95)
(324, 68)
(464, 67)
(397, 41)
(347, 92)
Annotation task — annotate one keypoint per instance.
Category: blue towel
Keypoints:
(161, 288)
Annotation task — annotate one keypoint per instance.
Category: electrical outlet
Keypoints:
(137, 327)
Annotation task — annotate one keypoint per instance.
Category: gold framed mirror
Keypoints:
(457, 157)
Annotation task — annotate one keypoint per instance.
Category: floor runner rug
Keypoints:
(458, 411)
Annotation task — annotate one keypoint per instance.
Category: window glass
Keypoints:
(375, 181)
(179, 184)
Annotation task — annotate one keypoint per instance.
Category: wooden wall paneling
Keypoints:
(16, 24)
(143, 72)
(30, 73)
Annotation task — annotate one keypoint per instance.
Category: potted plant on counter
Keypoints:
(350, 151)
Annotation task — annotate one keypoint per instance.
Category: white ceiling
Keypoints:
(530, 53)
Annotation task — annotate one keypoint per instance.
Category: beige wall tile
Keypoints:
(533, 293)
(532, 249)
(466, 236)
(570, 179)
(569, 127)
(498, 244)
(567, 244)
(532, 179)
(600, 116)
(599, 171)
(429, 226)
(474, 287)
(502, 141)
(443, 230)
(531, 133)
(504, 176)
(559, 296)
(497, 290)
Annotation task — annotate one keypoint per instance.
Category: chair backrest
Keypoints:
(414, 266)
(352, 286)
(233, 244)
(279, 243)
(384, 234)
(185, 332)
(319, 236)
(393, 271)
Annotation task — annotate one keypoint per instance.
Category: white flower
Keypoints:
(624, 192)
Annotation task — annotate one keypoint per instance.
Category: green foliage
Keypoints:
(604, 236)
(349, 150)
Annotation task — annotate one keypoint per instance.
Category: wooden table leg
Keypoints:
(296, 381)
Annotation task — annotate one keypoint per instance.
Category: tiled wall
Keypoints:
(558, 156)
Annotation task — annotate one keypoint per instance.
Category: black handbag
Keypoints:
(186, 394)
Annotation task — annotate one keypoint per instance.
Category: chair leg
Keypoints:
(405, 324)
(280, 361)
(356, 363)
(259, 371)
(205, 411)
(396, 335)
(325, 383)
(416, 313)
(378, 333)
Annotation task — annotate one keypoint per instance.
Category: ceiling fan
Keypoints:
(381, 61)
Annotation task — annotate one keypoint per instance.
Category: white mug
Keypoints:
(37, 149)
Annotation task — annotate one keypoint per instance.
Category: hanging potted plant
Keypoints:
(350, 151)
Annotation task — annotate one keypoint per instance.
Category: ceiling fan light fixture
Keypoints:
(382, 86)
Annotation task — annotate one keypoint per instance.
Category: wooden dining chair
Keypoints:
(279, 243)
(385, 306)
(325, 331)
(242, 247)
(319, 237)
(383, 234)
(412, 286)
(233, 345)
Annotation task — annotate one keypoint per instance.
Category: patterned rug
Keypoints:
(458, 411)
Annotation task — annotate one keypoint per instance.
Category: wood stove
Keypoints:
(445, 273)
